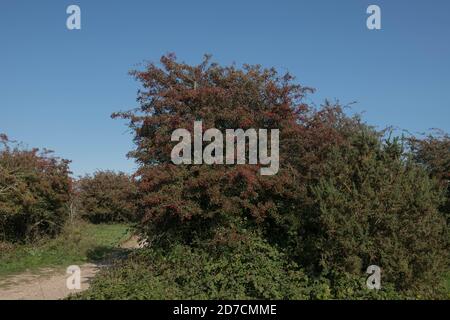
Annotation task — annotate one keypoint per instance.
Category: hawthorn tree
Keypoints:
(106, 196)
(200, 202)
(34, 190)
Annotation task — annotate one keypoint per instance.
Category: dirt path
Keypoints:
(50, 283)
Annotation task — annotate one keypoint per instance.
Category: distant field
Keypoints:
(79, 243)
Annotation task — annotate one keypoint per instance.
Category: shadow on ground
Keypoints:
(107, 254)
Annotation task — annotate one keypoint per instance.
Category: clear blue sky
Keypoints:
(59, 87)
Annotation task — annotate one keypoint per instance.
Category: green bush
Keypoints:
(372, 206)
(345, 286)
(249, 270)
(433, 153)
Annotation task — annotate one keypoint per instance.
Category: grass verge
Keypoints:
(79, 242)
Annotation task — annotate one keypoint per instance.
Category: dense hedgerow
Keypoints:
(248, 270)
(251, 269)
(343, 198)
(34, 191)
(106, 196)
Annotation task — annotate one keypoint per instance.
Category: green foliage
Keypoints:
(250, 270)
(433, 153)
(372, 207)
(106, 197)
(345, 286)
(34, 192)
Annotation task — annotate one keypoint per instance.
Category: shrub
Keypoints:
(374, 207)
(253, 269)
(345, 286)
(106, 197)
(34, 191)
(433, 153)
(250, 270)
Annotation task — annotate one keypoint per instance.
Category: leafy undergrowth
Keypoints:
(79, 242)
(249, 271)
